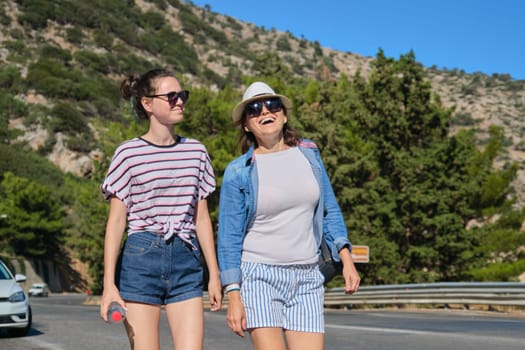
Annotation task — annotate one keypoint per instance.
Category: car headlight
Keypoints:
(17, 297)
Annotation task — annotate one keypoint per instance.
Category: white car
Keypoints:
(15, 311)
(38, 290)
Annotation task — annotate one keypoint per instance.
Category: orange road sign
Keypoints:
(360, 253)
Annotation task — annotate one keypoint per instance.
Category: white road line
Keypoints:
(380, 330)
(477, 337)
(40, 344)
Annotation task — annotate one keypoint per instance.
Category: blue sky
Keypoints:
(485, 36)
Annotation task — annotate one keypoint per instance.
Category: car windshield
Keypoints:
(4, 274)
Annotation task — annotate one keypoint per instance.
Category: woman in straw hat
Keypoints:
(276, 203)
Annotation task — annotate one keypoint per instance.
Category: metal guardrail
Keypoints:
(467, 293)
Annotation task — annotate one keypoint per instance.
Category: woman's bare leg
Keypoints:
(186, 319)
(304, 340)
(142, 325)
(267, 338)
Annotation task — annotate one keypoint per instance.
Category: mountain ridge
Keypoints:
(223, 49)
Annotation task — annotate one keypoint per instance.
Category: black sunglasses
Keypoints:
(174, 96)
(254, 109)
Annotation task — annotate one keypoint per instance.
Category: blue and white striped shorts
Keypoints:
(283, 296)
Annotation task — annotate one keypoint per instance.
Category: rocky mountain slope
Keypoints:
(226, 48)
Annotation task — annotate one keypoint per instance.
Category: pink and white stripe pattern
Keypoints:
(160, 185)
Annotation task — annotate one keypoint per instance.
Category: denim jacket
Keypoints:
(237, 207)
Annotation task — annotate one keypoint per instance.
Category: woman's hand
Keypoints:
(350, 274)
(108, 296)
(236, 315)
(215, 294)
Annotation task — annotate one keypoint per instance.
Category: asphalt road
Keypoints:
(63, 322)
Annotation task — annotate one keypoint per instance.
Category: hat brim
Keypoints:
(239, 109)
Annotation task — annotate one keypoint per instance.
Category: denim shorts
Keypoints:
(284, 296)
(158, 271)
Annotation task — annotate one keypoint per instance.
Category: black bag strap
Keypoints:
(326, 255)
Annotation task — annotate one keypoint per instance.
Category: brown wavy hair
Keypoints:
(247, 139)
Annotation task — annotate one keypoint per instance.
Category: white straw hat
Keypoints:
(257, 91)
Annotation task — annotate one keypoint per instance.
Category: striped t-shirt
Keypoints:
(160, 185)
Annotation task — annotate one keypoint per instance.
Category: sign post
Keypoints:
(360, 253)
